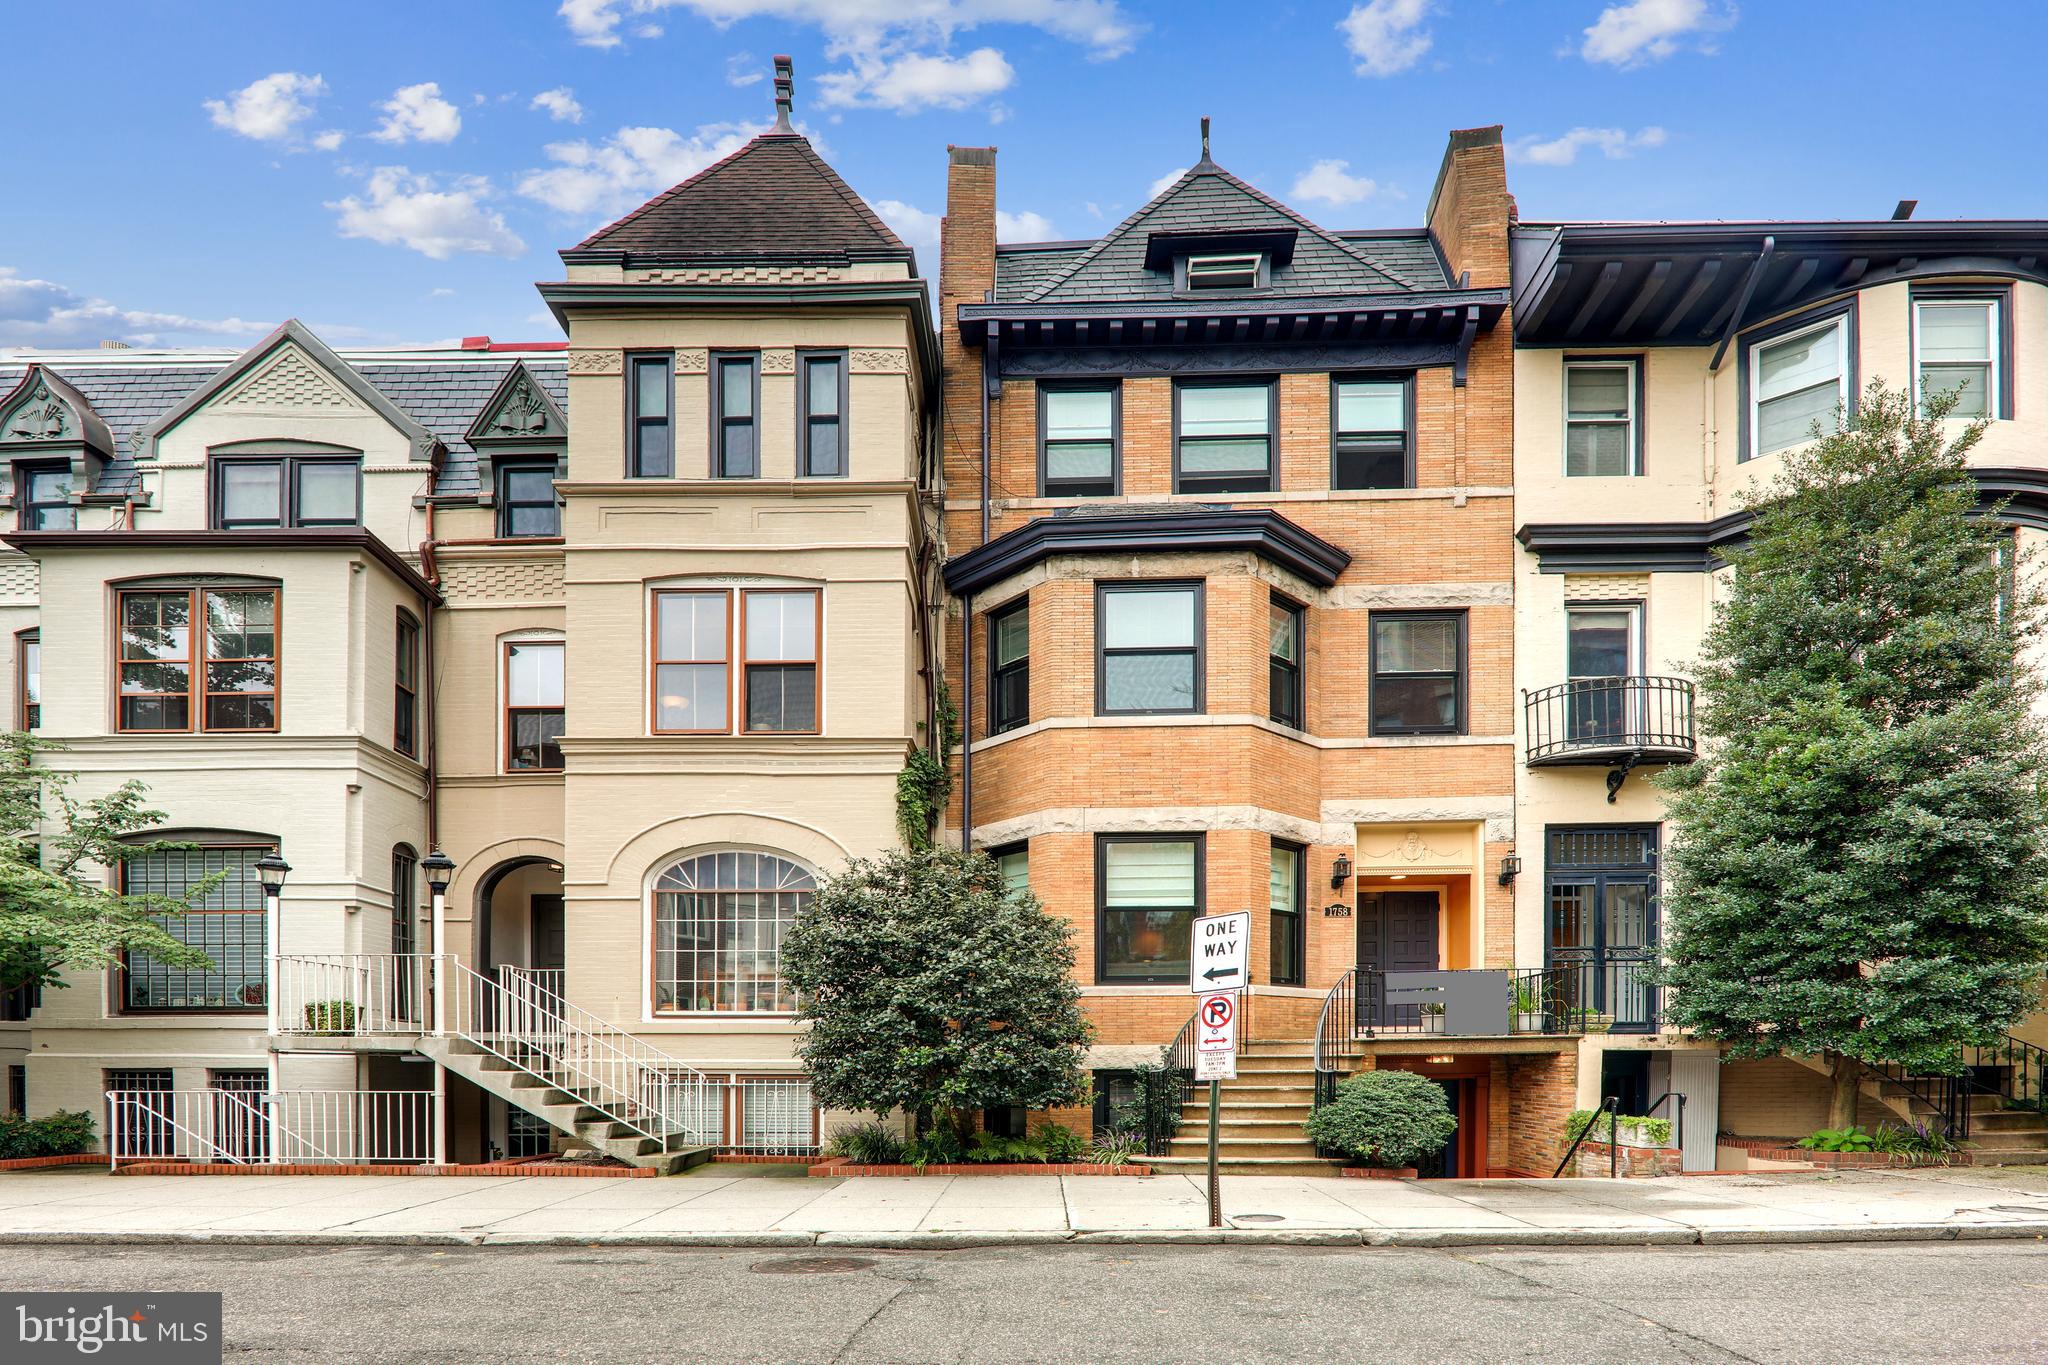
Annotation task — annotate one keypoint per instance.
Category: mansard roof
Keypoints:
(773, 200)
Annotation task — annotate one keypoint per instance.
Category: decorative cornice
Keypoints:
(1265, 533)
(40, 543)
(1036, 363)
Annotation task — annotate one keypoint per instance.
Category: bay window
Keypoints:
(692, 662)
(821, 426)
(228, 924)
(650, 389)
(1796, 381)
(1223, 437)
(1283, 662)
(696, 668)
(534, 712)
(1148, 656)
(719, 922)
(1009, 650)
(1148, 896)
(224, 677)
(284, 491)
(779, 629)
(1956, 343)
(1284, 899)
(735, 403)
(28, 672)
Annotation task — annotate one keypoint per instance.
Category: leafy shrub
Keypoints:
(1061, 1143)
(1385, 1118)
(940, 1147)
(867, 1144)
(1655, 1132)
(988, 1147)
(330, 1016)
(1850, 1139)
(64, 1133)
(1917, 1141)
(1116, 1149)
(1156, 1094)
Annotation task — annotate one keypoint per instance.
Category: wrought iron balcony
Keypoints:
(1620, 721)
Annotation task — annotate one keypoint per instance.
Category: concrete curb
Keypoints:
(1415, 1238)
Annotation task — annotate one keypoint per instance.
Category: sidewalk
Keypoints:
(760, 1206)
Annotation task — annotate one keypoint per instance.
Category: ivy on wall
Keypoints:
(926, 781)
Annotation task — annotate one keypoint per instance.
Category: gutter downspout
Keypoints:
(967, 623)
(432, 573)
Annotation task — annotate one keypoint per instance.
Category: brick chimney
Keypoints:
(967, 272)
(1470, 209)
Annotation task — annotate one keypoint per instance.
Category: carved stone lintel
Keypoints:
(595, 362)
(692, 362)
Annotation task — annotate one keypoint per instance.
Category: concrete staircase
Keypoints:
(555, 1097)
(1259, 1119)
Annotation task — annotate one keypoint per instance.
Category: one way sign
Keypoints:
(1221, 960)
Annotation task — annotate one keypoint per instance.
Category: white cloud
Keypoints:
(270, 109)
(417, 113)
(1386, 36)
(742, 70)
(398, 208)
(1024, 227)
(1331, 183)
(871, 25)
(629, 167)
(1164, 183)
(918, 229)
(560, 104)
(915, 81)
(1612, 143)
(443, 292)
(44, 313)
(331, 140)
(1649, 30)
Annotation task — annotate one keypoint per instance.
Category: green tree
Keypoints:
(1860, 866)
(930, 987)
(55, 912)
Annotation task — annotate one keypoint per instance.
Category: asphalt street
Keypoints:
(1971, 1301)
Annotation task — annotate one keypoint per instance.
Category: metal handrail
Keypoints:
(2022, 1067)
(1653, 715)
(1677, 1114)
(1608, 1107)
(1944, 1095)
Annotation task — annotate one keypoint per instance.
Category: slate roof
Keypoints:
(1208, 198)
(774, 198)
(444, 396)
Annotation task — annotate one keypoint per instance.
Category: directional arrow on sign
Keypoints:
(1214, 972)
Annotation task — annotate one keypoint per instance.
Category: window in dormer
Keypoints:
(1241, 271)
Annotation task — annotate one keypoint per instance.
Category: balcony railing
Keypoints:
(269, 1127)
(1612, 720)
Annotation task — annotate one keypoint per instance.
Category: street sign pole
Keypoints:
(1215, 1184)
(1219, 966)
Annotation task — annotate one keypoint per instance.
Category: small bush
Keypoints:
(1061, 1143)
(989, 1148)
(867, 1144)
(1850, 1139)
(1385, 1118)
(64, 1133)
(1115, 1149)
(940, 1147)
(330, 1016)
(1916, 1141)
(1656, 1132)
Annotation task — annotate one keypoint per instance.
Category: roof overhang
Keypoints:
(37, 544)
(1161, 248)
(1265, 533)
(1693, 284)
(1441, 315)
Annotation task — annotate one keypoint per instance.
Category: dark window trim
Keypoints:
(1300, 915)
(715, 365)
(1638, 361)
(1847, 309)
(22, 640)
(1463, 618)
(196, 658)
(405, 720)
(1002, 851)
(997, 722)
(1115, 389)
(508, 710)
(25, 510)
(1300, 664)
(1200, 839)
(1338, 378)
(1201, 645)
(501, 471)
(804, 418)
(1229, 483)
(634, 421)
(2002, 295)
(289, 469)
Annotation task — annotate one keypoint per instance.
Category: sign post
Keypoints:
(1219, 966)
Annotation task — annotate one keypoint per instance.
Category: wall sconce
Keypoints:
(1510, 868)
(1340, 871)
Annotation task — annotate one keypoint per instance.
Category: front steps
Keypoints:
(1259, 1118)
(561, 1109)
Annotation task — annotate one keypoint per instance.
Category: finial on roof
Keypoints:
(785, 93)
(1205, 139)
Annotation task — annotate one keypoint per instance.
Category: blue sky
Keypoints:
(193, 173)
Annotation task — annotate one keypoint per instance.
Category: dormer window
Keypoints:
(286, 490)
(1243, 270)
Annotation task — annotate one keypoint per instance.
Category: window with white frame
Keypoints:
(719, 920)
(1955, 345)
(1600, 418)
(1796, 381)
(1239, 270)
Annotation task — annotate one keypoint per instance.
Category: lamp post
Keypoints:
(270, 872)
(439, 870)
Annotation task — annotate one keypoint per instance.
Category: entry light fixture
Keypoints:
(1510, 868)
(271, 871)
(1440, 1060)
(1340, 871)
(439, 870)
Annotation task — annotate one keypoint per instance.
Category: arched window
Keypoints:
(718, 925)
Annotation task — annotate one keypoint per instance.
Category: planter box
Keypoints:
(1592, 1161)
(1378, 1172)
(839, 1165)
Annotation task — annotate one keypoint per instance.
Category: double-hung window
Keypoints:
(1284, 900)
(1371, 442)
(821, 421)
(526, 499)
(29, 675)
(1077, 437)
(45, 501)
(1148, 895)
(1796, 381)
(533, 705)
(1956, 345)
(223, 674)
(405, 693)
(1223, 438)
(1283, 662)
(692, 662)
(1148, 656)
(1600, 418)
(650, 393)
(779, 628)
(1009, 651)
(1418, 673)
(286, 491)
(735, 403)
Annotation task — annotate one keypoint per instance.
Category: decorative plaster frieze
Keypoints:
(779, 361)
(1421, 595)
(693, 361)
(881, 360)
(1498, 815)
(596, 362)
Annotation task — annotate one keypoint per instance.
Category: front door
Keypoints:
(1601, 934)
(1442, 1164)
(549, 947)
(1397, 932)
